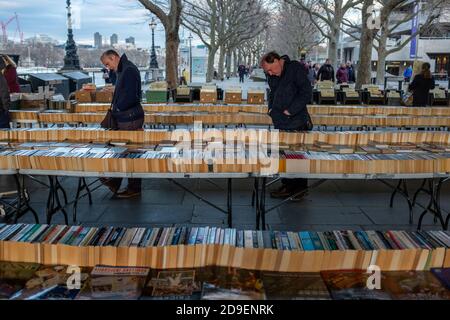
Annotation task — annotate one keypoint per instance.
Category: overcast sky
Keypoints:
(123, 17)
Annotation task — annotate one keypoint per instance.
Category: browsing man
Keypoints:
(127, 111)
(290, 91)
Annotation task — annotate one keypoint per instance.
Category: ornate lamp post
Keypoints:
(71, 59)
(190, 57)
(153, 60)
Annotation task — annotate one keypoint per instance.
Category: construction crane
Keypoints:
(4, 25)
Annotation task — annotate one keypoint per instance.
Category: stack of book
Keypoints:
(27, 281)
(187, 247)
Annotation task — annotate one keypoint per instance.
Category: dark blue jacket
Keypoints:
(127, 94)
(291, 91)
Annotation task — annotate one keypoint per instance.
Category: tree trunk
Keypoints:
(172, 44)
(210, 69)
(235, 62)
(364, 74)
(382, 51)
(221, 62)
(332, 46)
(228, 63)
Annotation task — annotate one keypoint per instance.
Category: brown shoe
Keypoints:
(127, 194)
(110, 184)
(281, 193)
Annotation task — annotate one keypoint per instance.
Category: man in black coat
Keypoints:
(326, 72)
(290, 92)
(127, 110)
(5, 102)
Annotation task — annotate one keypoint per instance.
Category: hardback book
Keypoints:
(114, 283)
(14, 276)
(53, 283)
(233, 284)
(443, 274)
(172, 285)
(414, 285)
(294, 286)
(351, 285)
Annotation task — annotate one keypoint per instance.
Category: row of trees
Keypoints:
(241, 30)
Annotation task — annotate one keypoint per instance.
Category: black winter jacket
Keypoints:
(291, 91)
(127, 94)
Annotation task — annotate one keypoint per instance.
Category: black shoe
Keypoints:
(127, 194)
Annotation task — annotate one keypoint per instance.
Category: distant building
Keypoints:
(41, 38)
(114, 39)
(130, 40)
(98, 40)
(431, 47)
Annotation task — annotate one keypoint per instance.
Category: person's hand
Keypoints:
(286, 112)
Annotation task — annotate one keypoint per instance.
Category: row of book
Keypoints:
(313, 109)
(28, 281)
(216, 157)
(188, 107)
(187, 247)
(296, 139)
(246, 118)
(345, 110)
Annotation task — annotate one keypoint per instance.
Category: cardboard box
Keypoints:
(233, 96)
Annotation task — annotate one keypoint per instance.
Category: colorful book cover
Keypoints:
(443, 275)
(14, 276)
(172, 285)
(351, 285)
(224, 283)
(53, 283)
(414, 285)
(114, 283)
(294, 286)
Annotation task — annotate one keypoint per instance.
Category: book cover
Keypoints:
(233, 284)
(114, 283)
(14, 276)
(414, 285)
(351, 285)
(51, 283)
(443, 275)
(294, 286)
(172, 285)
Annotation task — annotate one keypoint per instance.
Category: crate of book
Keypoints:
(83, 96)
(233, 95)
(255, 96)
(208, 94)
(32, 101)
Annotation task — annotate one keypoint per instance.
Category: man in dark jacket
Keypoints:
(5, 102)
(127, 110)
(326, 72)
(290, 92)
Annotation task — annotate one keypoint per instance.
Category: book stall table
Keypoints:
(435, 181)
(15, 204)
(54, 204)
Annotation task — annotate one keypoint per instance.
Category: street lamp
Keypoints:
(153, 60)
(190, 57)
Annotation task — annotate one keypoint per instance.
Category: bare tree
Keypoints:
(218, 23)
(169, 13)
(389, 29)
(293, 31)
(327, 16)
